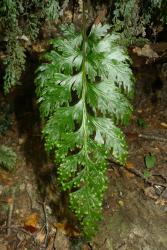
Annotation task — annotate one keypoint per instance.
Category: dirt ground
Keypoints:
(135, 206)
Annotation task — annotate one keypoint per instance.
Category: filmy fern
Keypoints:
(18, 19)
(133, 17)
(7, 157)
(84, 89)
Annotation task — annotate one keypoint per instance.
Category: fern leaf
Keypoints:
(7, 158)
(105, 96)
(111, 137)
(84, 91)
(98, 31)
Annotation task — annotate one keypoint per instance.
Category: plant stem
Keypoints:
(84, 81)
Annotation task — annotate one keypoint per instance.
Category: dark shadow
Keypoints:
(27, 115)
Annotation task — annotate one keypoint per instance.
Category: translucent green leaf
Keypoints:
(150, 161)
(107, 97)
(83, 94)
(99, 31)
(113, 138)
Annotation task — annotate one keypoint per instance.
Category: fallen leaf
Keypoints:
(40, 237)
(146, 51)
(67, 229)
(130, 165)
(101, 15)
(9, 200)
(121, 203)
(31, 221)
(161, 202)
(163, 124)
(22, 140)
(25, 38)
(38, 48)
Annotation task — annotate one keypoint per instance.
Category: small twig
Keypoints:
(20, 242)
(120, 246)
(51, 243)
(161, 176)
(11, 206)
(139, 174)
(14, 228)
(46, 223)
(152, 137)
(17, 229)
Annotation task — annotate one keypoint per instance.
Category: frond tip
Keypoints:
(83, 94)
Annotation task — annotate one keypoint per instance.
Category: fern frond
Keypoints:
(15, 64)
(20, 19)
(84, 91)
(51, 10)
(7, 157)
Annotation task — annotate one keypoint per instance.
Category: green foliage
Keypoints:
(5, 117)
(7, 158)
(126, 17)
(132, 17)
(15, 59)
(150, 163)
(141, 123)
(51, 10)
(84, 89)
(14, 62)
(21, 19)
(161, 7)
(146, 174)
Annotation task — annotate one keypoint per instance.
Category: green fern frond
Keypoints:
(20, 19)
(51, 10)
(15, 64)
(84, 90)
(7, 158)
